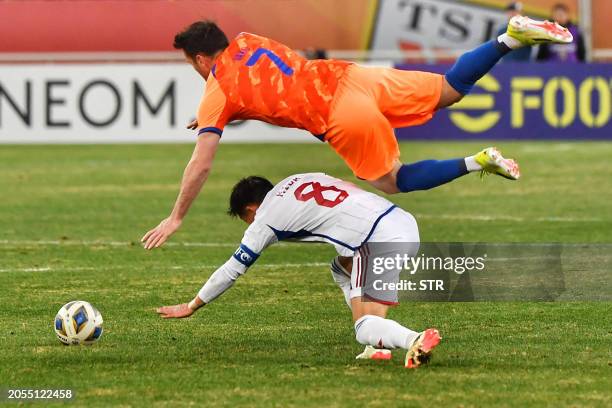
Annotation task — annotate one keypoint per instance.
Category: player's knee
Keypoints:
(387, 183)
(455, 98)
(388, 188)
(449, 96)
(450, 100)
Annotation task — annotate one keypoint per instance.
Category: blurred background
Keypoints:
(102, 71)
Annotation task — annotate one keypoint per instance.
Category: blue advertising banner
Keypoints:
(526, 101)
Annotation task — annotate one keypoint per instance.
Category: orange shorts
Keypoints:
(369, 103)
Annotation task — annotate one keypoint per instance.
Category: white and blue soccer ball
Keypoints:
(78, 322)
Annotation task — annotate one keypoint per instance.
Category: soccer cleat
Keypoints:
(371, 353)
(530, 32)
(420, 351)
(493, 162)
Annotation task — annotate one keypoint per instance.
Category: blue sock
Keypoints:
(428, 174)
(473, 65)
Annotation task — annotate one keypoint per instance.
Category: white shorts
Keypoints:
(397, 226)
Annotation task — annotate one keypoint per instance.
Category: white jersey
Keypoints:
(316, 207)
(304, 207)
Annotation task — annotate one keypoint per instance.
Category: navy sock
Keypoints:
(428, 174)
(473, 65)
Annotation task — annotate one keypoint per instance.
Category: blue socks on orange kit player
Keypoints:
(428, 174)
(473, 65)
(468, 69)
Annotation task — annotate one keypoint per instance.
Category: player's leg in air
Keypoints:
(411, 98)
(372, 328)
(458, 82)
(473, 65)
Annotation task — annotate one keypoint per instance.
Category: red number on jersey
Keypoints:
(317, 191)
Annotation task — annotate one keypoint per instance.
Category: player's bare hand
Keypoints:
(193, 125)
(158, 235)
(175, 311)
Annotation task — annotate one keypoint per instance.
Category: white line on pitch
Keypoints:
(125, 243)
(196, 267)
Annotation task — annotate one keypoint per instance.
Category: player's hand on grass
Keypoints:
(182, 310)
(193, 125)
(158, 235)
(175, 311)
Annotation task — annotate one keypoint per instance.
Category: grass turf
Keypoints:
(71, 217)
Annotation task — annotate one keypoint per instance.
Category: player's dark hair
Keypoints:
(249, 190)
(202, 37)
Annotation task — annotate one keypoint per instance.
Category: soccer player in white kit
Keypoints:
(318, 207)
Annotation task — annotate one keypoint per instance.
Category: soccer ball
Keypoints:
(78, 322)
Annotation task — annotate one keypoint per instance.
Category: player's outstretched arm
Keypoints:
(194, 177)
(217, 284)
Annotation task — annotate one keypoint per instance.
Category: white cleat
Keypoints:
(531, 32)
(371, 353)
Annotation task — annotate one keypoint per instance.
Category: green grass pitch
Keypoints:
(71, 218)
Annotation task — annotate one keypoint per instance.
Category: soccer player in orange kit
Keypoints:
(351, 107)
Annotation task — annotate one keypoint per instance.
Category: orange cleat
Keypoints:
(420, 351)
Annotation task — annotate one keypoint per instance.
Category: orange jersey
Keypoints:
(259, 78)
